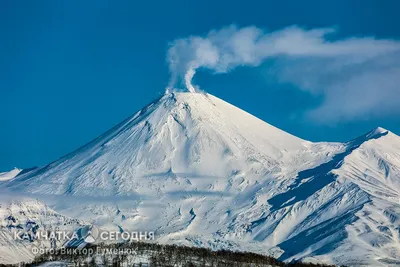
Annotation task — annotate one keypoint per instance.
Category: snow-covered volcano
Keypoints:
(202, 172)
(183, 136)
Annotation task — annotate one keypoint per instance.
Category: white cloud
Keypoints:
(358, 77)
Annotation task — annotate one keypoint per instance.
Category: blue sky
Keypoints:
(72, 69)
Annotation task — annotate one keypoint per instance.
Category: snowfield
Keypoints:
(201, 172)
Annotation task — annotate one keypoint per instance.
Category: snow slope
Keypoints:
(202, 172)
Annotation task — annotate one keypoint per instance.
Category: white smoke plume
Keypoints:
(357, 77)
(225, 49)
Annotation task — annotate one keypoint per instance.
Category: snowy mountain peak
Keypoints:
(4, 176)
(376, 133)
(379, 131)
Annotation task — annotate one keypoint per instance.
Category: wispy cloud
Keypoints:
(357, 77)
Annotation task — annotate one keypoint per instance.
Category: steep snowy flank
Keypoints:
(347, 209)
(375, 168)
(199, 171)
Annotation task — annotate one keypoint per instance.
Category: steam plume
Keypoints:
(225, 49)
(357, 77)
